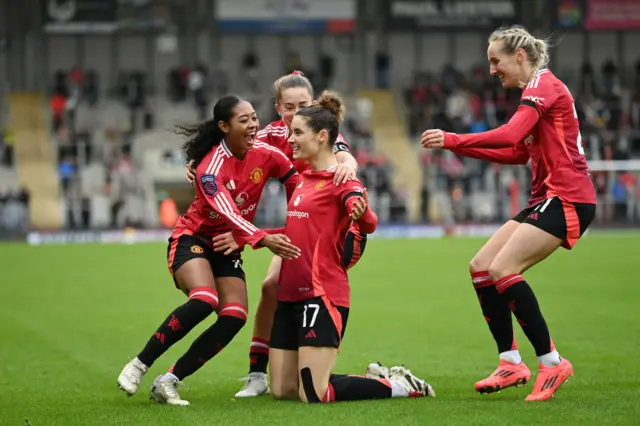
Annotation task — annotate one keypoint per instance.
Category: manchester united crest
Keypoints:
(197, 249)
(320, 184)
(256, 175)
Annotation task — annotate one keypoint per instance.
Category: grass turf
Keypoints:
(72, 315)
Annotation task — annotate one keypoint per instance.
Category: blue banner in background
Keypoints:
(285, 16)
(252, 27)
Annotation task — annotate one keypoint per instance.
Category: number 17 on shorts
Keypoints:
(322, 324)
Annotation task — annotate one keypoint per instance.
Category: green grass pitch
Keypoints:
(72, 315)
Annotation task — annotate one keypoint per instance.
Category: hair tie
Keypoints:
(296, 73)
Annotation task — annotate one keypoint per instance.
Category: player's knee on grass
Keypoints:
(289, 393)
(284, 389)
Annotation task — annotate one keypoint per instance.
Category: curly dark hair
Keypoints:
(202, 137)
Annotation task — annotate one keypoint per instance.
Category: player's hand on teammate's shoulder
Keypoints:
(226, 243)
(432, 138)
(190, 172)
(281, 246)
(343, 174)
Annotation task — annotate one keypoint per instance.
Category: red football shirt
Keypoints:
(277, 134)
(545, 129)
(317, 223)
(228, 191)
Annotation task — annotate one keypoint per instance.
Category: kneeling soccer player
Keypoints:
(313, 292)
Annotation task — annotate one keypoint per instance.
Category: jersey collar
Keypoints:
(225, 148)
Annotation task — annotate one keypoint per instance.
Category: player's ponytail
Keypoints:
(327, 114)
(204, 136)
(517, 37)
(542, 50)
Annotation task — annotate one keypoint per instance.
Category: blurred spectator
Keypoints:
(588, 85)
(76, 79)
(177, 84)
(90, 91)
(133, 90)
(619, 192)
(123, 185)
(251, 65)
(148, 122)
(196, 87)
(60, 83)
(58, 104)
(67, 170)
(168, 212)
(327, 69)
(383, 64)
(6, 148)
(14, 211)
(221, 80)
(458, 105)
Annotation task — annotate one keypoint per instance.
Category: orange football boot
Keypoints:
(505, 376)
(549, 380)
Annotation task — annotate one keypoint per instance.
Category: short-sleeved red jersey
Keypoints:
(228, 191)
(545, 129)
(317, 223)
(277, 134)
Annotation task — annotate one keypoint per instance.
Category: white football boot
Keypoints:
(257, 385)
(164, 391)
(376, 370)
(131, 375)
(414, 386)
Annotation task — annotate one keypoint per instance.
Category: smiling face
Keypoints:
(292, 101)
(305, 143)
(241, 129)
(507, 67)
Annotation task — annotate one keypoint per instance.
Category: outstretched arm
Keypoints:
(505, 136)
(512, 155)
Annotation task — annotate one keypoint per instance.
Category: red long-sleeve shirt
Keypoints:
(544, 129)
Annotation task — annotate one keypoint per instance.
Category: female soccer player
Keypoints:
(313, 290)
(231, 171)
(545, 130)
(292, 92)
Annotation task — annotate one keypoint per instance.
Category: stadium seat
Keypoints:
(8, 180)
(93, 179)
